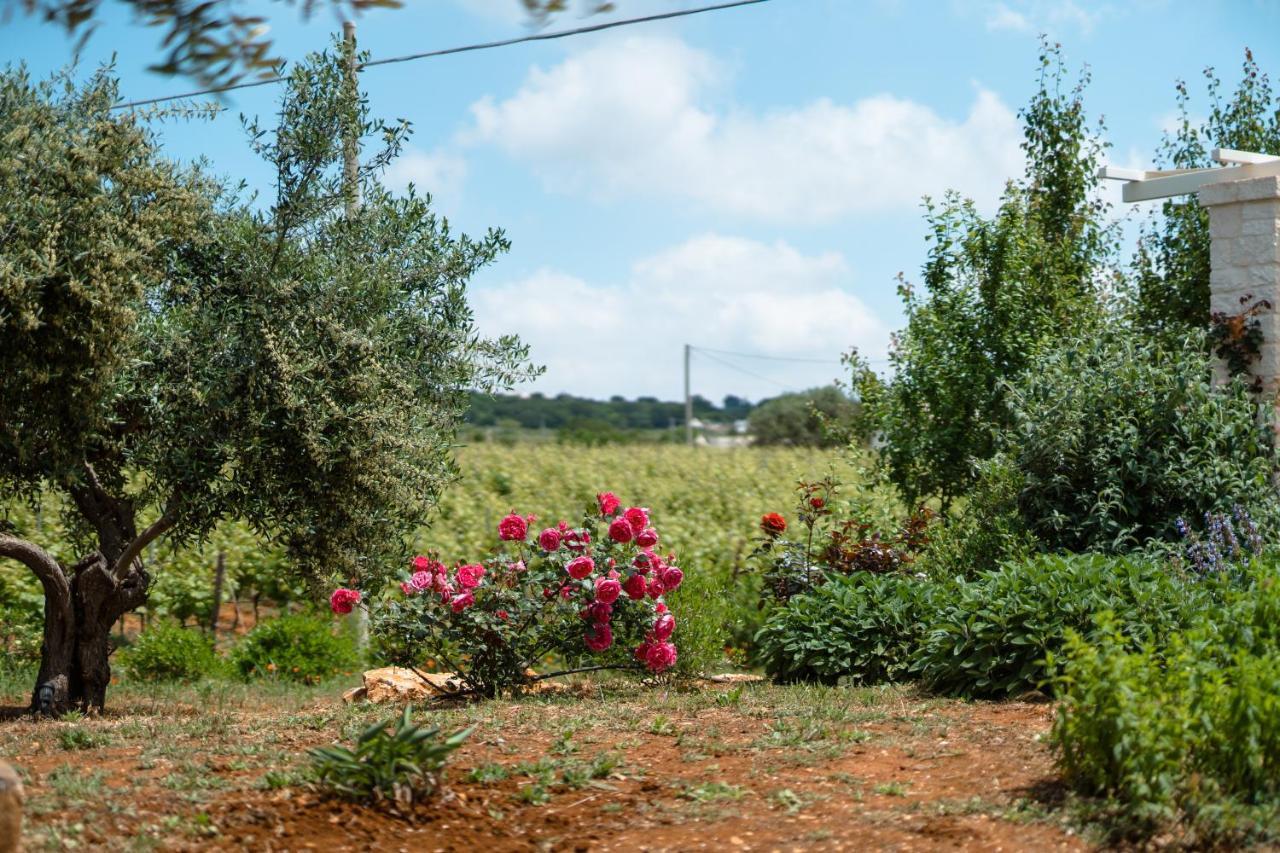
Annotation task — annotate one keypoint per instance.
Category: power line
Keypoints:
(742, 370)
(559, 34)
(767, 357)
(763, 357)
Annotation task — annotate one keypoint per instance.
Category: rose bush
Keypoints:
(591, 596)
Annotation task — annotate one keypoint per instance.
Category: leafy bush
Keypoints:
(862, 626)
(993, 635)
(831, 541)
(169, 652)
(299, 647)
(591, 594)
(1116, 438)
(1187, 732)
(816, 418)
(397, 765)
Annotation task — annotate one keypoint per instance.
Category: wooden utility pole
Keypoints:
(350, 140)
(688, 398)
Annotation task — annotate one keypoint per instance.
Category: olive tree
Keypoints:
(174, 355)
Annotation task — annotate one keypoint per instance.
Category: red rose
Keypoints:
(663, 626)
(513, 528)
(580, 567)
(608, 502)
(637, 517)
(634, 587)
(607, 590)
(549, 539)
(772, 523)
(343, 600)
(599, 636)
(647, 538)
(620, 530)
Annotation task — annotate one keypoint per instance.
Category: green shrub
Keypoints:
(1116, 437)
(861, 626)
(1185, 733)
(991, 636)
(397, 764)
(300, 648)
(169, 652)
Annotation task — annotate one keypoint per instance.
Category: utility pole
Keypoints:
(688, 399)
(351, 197)
(350, 141)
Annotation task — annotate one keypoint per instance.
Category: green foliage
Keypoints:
(997, 291)
(1115, 438)
(992, 636)
(396, 762)
(301, 648)
(815, 418)
(860, 626)
(1171, 268)
(986, 532)
(169, 652)
(1186, 732)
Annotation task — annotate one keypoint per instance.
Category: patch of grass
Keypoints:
(488, 773)
(76, 737)
(74, 785)
(891, 789)
(712, 791)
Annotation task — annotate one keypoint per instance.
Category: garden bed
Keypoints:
(719, 767)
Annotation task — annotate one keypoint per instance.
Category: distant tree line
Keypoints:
(538, 411)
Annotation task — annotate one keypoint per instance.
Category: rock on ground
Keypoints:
(10, 810)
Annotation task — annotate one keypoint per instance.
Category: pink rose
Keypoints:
(422, 580)
(462, 601)
(655, 588)
(637, 517)
(663, 626)
(598, 611)
(660, 656)
(518, 566)
(671, 578)
(620, 530)
(549, 539)
(580, 567)
(607, 590)
(634, 587)
(647, 538)
(609, 503)
(406, 589)
(577, 540)
(343, 600)
(469, 575)
(599, 636)
(642, 651)
(513, 528)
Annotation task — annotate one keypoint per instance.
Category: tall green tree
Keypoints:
(1171, 268)
(174, 355)
(996, 290)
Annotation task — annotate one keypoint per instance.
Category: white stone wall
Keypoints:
(1244, 228)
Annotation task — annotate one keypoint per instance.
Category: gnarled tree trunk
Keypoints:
(81, 604)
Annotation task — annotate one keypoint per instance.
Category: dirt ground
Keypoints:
(617, 767)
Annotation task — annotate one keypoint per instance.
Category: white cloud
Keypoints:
(637, 116)
(712, 291)
(1047, 16)
(437, 172)
(1001, 17)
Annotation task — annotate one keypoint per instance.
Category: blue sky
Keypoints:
(746, 181)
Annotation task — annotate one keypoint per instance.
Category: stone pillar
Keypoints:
(1244, 257)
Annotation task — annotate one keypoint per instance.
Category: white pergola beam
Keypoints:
(1243, 158)
(1146, 186)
